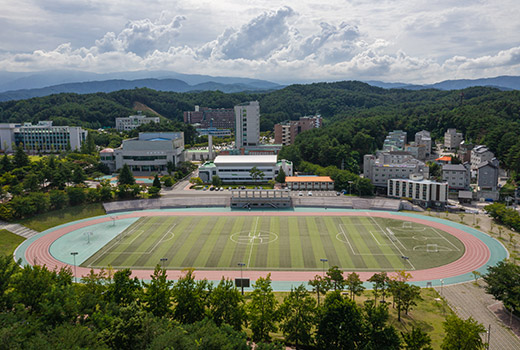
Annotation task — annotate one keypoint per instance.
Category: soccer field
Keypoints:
(278, 243)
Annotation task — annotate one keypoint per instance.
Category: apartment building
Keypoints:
(384, 166)
(457, 176)
(221, 118)
(480, 154)
(487, 175)
(285, 133)
(395, 141)
(424, 138)
(452, 139)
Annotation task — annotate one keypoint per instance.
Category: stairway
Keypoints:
(18, 229)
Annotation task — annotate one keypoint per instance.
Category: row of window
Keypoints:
(144, 157)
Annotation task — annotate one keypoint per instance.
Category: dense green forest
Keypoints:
(357, 116)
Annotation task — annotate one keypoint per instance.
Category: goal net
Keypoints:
(407, 224)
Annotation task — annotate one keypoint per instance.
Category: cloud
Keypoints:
(142, 36)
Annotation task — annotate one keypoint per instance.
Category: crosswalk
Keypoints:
(18, 229)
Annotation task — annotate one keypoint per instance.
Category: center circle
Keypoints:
(253, 238)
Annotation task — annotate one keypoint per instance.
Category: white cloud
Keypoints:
(417, 41)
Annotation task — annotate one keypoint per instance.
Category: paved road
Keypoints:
(469, 300)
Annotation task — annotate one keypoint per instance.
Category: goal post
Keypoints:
(432, 248)
(407, 224)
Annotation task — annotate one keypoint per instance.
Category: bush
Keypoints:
(76, 195)
(168, 181)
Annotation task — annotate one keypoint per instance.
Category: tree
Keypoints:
(376, 333)
(157, 295)
(168, 181)
(297, 316)
(8, 268)
(354, 285)
(340, 324)
(190, 297)
(124, 290)
(256, 173)
(216, 181)
(280, 178)
(380, 282)
(416, 340)
(262, 310)
(21, 158)
(320, 285)
(226, 305)
(335, 278)
(462, 334)
(503, 282)
(78, 175)
(156, 181)
(125, 176)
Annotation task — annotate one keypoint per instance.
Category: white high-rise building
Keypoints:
(247, 122)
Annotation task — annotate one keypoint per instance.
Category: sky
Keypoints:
(412, 41)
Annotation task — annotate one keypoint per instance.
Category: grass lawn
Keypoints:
(8, 242)
(50, 219)
(278, 243)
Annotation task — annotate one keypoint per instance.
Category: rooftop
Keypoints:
(308, 179)
(452, 167)
(444, 159)
(252, 159)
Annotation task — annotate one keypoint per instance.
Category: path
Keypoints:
(469, 300)
(18, 229)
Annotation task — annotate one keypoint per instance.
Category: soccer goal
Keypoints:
(432, 248)
(407, 224)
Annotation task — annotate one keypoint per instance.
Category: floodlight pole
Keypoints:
(323, 261)
(74, 256)
(241, 264)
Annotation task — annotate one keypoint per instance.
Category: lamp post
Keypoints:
(74, 256)
(323, 261)
(241, 264)
(163, 260)
(442, 285)
(350, 187)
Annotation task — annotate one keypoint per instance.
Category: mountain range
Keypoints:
(17, 86)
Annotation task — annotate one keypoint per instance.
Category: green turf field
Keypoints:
(284, 243)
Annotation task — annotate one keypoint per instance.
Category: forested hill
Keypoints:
(357, 115)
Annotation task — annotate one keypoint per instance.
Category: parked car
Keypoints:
(309, 194)
(212, 188)
(300, 193)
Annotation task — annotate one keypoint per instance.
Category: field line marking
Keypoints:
(252, 241)
(413, 267)
(346, 238)
(161, 240)
(392, 234)
(437, 232)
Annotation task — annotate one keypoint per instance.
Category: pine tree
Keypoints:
(21, 158)
(125, 176)
(156, 181)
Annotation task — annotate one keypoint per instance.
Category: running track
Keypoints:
(475, 256)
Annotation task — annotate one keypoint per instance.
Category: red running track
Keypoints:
(476, 252)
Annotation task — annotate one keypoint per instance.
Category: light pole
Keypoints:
(163, 260)
(241, 264)
(74, 256)
(323, 261)
(442, 285)
(350, 187)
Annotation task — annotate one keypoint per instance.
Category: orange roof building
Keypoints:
(444, 160)
(316, 183)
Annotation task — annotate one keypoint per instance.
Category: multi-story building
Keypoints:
(221, 118)
(480, 154)
(149, 153)
(487, 175)
(395, 141)
(464, 152)
(452, 139)
(42, 137)
(384, 166)
(214, 132)
(423, 192)
(457, 176)
(424, 138)
(418, 151)
(309, 183)
(247, 123)
(237, 169)
(285, 133)
(134, 121)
